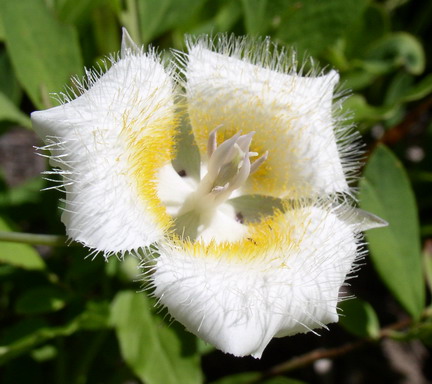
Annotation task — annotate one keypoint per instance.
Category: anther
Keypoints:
(257, 163)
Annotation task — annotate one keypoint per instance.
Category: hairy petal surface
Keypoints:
(291, 115)
(239, 296)
(108, 144)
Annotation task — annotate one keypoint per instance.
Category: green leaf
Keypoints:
(255, 16)
(31, 340)
(420, 90)
(95, 316)
(45, 353)
(2, 32)
(32, 332)
(19, 255)
(357, 79)
(399, 50)
(419, 331)
(313, 25)
(219, 17)
(26, 193)
(364, 112)
(398, 87)
(427, 263)
(9, 112)
(227, 16)
(106, 30)
(76, 11)
(374, 23)
(375, 66)
(21, 329)
(359, 318)
(157, 17)
(41, 300)
(395, 250)
(423, 332)
(44, 52)
(157, 353)
(9, 85)
(203, 347)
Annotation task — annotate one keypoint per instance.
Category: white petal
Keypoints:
(109, 144)
(283, 281)
(291, 114)
(170, 181)
(221, 226)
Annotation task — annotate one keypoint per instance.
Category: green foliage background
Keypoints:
(67, 319)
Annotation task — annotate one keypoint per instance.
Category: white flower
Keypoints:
(250, 216)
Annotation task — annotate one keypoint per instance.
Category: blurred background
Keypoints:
(67, 319)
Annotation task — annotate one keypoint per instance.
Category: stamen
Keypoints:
(257, 163)
(242, 174)
(229, 166)
(212, 141)
(245, 141)
(222, 155)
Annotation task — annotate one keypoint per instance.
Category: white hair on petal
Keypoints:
(92, 93)
(264, 53)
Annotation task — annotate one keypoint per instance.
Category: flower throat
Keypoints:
(228, 169)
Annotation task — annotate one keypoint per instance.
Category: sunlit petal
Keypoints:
(279, 281)
(292, 115)
(109, 143)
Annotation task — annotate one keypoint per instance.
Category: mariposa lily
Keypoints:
(229, 169)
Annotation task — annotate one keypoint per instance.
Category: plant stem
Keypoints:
(33, 238)
(311, 357)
